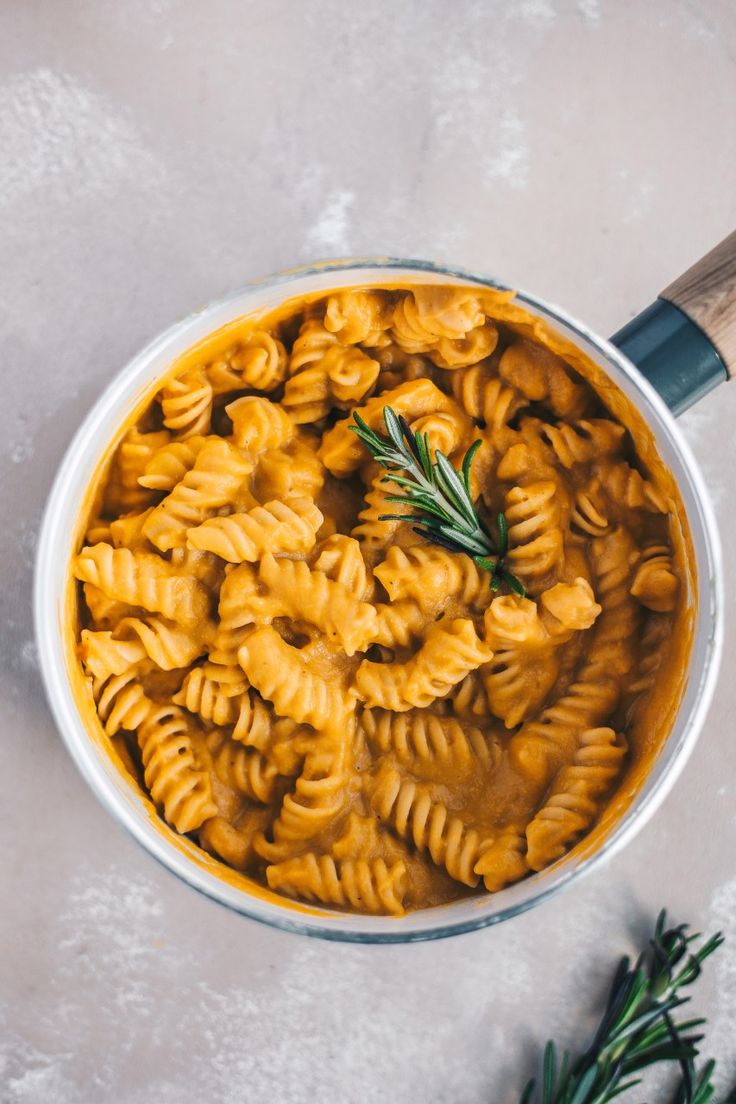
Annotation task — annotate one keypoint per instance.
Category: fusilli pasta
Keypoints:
(323, 699)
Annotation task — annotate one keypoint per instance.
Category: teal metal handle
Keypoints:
(673, 353)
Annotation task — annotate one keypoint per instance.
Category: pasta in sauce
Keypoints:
(322, 699)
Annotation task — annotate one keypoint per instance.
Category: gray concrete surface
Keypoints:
(155, 153)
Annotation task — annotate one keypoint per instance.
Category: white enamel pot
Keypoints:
(119, 795)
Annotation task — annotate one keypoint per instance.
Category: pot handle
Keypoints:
(685, 341)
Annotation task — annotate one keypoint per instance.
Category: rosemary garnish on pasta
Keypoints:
(638, 1029)
(440, 495)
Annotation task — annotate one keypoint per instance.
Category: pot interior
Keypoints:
(66, 688)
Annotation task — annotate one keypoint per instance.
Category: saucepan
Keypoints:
(665, 359)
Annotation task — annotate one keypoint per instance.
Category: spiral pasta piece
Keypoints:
(341, 451)
(525, 639)
(170, 463)
(259, 424)
(342, 376)
(460, 352)
(281, 674)
(655, 583)
(430, 741)
(444, 659)
(168, 644)
(320, 794)
(297, 592)
(535, 536)
(243, 769)
(124, 491)
(311, 345)
(275, 527)
(409, 808)
(423, 316)
(103, 655)
(367, 886)
(584, 440)
(257, 362)
(485, 397)
(213, 482)
(186, 402)
(446, 431)
(542, 376)
(502, 860)
(573, 802)
(430, 575)
(544, 744)
(352, 375)
(143, 579)
(359, 317)
(341, 560)
(174, 779)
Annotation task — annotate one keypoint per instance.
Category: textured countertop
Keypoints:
(156, 153)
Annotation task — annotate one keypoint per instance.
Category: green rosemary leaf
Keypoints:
(436, 538)
(471, 544)
(528, 1092)
(639, 1024)
(402, 517)
(513, 583)
(435, 524)
(394, 428)
(379, 447)
(400, 481)
(549, 1071)
(455, 488)
(666, 1052)
(367, 435)
(584, 1086)
(486, 564)
(422, 501)
(468, 463)
(503, 534)
(623, 1088)
(408, 434)
(425, 456)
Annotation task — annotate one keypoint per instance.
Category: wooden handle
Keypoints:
(706, 293)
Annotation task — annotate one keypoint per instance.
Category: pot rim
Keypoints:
(320, 922)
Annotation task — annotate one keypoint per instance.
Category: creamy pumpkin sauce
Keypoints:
(319, 702)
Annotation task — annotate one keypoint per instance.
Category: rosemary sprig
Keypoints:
(638, 1029)
(440, 496)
